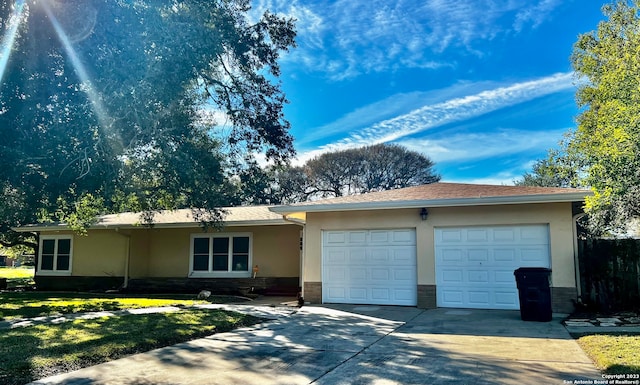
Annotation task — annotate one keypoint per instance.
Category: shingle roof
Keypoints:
(235, 216)
(441, 194)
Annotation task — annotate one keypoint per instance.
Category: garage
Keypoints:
(475, 264)
(369, 267)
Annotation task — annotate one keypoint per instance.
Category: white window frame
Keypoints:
(55, 255)
(221, 274)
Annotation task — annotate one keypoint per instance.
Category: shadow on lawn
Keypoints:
(40, 351)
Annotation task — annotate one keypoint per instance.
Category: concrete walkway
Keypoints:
(349, 344)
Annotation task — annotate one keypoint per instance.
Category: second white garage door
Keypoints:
(475, 265)
(369, 267)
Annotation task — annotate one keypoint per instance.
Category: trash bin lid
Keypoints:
(525, 270)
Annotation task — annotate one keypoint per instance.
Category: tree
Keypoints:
(557, 170)
(371, 168)
(607, 138)
(110, 106)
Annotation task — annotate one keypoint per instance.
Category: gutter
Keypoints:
(127, 258)
(126, 226)
(410, 204)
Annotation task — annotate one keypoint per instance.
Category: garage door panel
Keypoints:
(379, 255)
(475, 265)
(478, 255)
(478, 276)
(476, 235)
(405, 256)
(452, 298)
(336, 293)
(536, 255)
(335, 238)
(357, 275)
(336, 256)
(337, 274)
(479, 298)
(404, 275)
(357, 294)
(357, 237)
(505, 255)
(380, 274)
(451, 255)
(381, 294)
(504, 277)
(506, 299)
(452, 276)
(505, 235)
(407, 237)
(380, 270)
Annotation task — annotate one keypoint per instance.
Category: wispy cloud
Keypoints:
(464, 147)
(535, 14)
(346, 38)
(453, 110)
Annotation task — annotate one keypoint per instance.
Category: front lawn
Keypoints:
(613, 353)
(17, 276)
(29, 353)
(36, 304)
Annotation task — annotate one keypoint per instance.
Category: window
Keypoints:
(220, 255)
(55, 255)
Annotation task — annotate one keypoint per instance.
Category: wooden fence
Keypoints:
(610, 274)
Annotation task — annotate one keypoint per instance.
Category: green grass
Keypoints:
(613, 353)
(29, 353)
(35, 304)
(17, 276)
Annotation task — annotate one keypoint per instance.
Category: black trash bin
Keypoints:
(534, 290)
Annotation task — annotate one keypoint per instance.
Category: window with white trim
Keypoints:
(54, 255)
(220, 255)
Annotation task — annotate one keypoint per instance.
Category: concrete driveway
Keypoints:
(350, 344)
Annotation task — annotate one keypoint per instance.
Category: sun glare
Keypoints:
(94, 97)
(80, 28)
(10, 36)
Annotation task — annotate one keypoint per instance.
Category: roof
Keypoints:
(235, 216)
(440, 195)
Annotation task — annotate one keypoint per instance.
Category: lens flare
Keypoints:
(101, 112)
(10, 36)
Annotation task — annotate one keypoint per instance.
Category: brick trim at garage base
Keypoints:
(563, 299)
(313, 292)
(427, 297)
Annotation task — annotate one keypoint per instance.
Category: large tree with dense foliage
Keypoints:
(110, 106)
(607, 139)
(365, 169)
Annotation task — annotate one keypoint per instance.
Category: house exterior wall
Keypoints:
(165, 252)
(101, 256)
(557, 215)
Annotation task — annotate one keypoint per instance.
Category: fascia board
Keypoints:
(128, 226)
(456, 202)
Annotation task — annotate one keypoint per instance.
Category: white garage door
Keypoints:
(475, 265)
(369, 267)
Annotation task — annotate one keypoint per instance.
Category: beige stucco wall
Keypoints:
(557, 215)
(165, 252)
(99, 253)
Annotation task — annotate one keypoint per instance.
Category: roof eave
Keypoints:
(455, 202)
(129, 226)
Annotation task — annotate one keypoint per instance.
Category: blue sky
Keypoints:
(482, 87)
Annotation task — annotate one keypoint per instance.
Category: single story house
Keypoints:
(436, 245)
